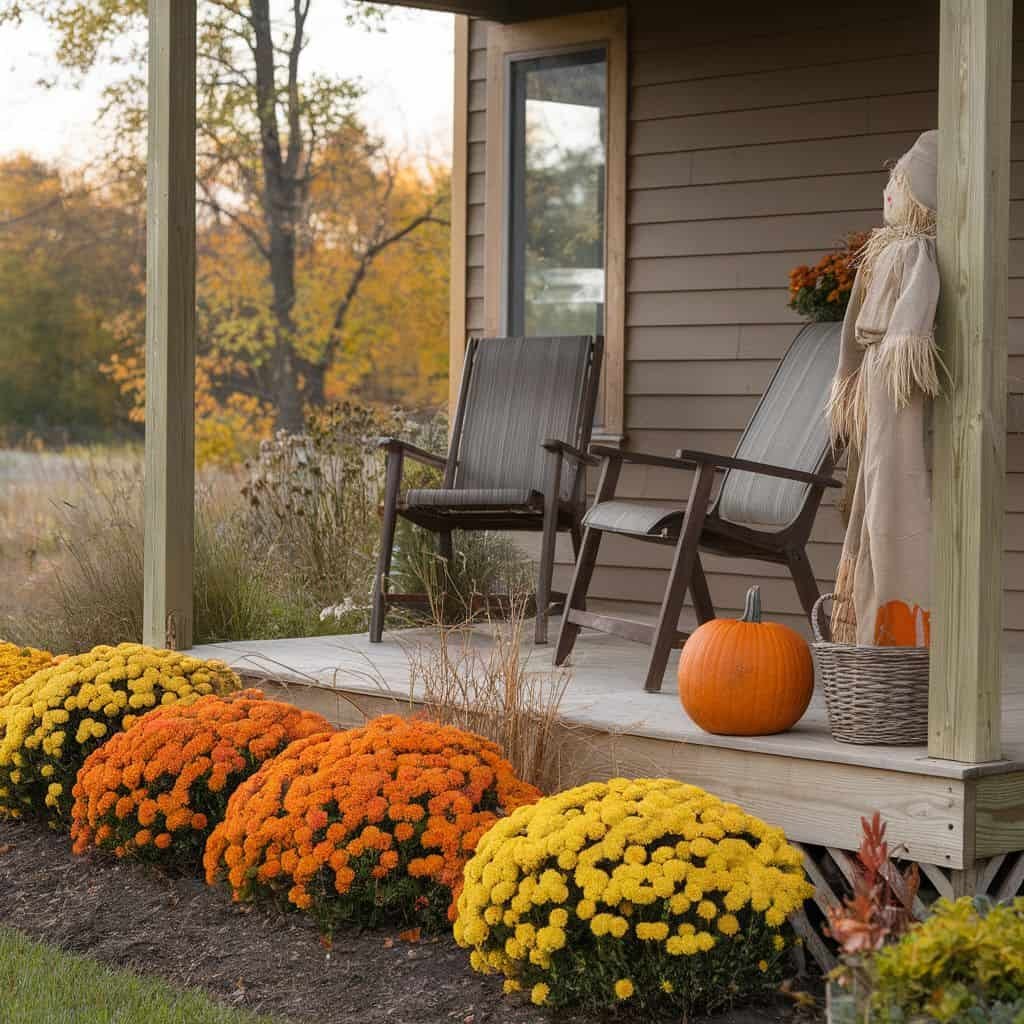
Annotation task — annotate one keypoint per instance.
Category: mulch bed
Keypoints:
(133, 916)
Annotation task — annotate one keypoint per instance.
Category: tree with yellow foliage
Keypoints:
(305, 199)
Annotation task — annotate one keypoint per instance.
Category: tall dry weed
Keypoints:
(477, 677)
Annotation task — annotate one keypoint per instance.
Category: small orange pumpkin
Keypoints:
(745, 677)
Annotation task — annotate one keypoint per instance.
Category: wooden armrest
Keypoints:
(762, 468)
(638, 458)
(553, 445)
(685, 459)
(394, 444)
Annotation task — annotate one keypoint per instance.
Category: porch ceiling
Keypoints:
(508, 10)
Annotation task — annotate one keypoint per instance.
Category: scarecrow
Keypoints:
(879, 408)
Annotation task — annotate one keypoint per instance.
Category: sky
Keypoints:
(407, 73)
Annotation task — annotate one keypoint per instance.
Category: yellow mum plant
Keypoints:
(641, 892)
(52, 722)
(17, 664)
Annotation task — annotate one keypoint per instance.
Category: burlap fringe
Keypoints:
(909, 362)
(847, 412)
(844, 614)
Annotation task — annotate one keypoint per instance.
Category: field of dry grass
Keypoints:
(41, 495)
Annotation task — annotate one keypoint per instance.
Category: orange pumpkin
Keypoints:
(746, 677)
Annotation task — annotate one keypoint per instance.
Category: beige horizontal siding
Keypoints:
(751, 152)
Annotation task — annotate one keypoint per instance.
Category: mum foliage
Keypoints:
(965, 963)
(17, 664)
(366, 825)
(646, 891)
(156, 790)
(52, 722)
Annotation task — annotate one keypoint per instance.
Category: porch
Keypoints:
(946, 814)
(712, 190)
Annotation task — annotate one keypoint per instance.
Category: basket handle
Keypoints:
(822, 628)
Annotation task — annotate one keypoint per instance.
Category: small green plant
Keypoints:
(965, 964)
(485, 568)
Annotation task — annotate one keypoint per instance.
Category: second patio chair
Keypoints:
(764, 509)
(518, 448)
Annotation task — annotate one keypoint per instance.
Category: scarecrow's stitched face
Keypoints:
(896, 200)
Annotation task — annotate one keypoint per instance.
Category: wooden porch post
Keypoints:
(170, 324)
(460, 157)
(970, 419)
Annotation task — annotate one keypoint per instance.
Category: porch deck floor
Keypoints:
(604, 693)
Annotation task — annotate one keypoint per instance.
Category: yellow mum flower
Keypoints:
(728, 925)
(539, 994)
(550, 939)
(586, 909)
(624, 988)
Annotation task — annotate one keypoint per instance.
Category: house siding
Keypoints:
(756, 142)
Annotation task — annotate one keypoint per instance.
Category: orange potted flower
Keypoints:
(822, 292)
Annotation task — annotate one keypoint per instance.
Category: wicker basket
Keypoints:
(873, 694)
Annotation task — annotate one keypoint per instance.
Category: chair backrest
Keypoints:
(515, 393)
(789, 428)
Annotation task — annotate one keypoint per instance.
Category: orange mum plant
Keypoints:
(157, 790)
(368, 825)
(822, 292)
(50, 723)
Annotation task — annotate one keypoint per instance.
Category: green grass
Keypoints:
(42, 985)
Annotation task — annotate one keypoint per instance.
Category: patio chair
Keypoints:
(764, 509)
(518, 445)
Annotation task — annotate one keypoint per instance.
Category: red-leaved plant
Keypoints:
(880, 910)
(882, 905)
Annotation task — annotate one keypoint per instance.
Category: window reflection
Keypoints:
(558, 138)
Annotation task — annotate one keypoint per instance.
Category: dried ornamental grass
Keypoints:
(157, 790)
(17, 664)
(56, 718)
(368, 825)
(645, 891)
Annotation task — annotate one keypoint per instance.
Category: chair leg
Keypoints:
(576, 532)
(700, 593)
(549, 535)
(680, 576)
(378, 603)
(445, 547)
(803, 577)
(586, 560)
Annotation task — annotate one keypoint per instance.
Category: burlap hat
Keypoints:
(920, 166)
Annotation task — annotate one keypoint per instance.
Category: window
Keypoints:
(558, 154)
(554, 231)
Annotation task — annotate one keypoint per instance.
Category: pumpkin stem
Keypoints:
(752, 607)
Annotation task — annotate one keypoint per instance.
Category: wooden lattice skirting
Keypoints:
(831, 871)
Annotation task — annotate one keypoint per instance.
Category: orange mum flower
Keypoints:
(371, 824)
(157, 789)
